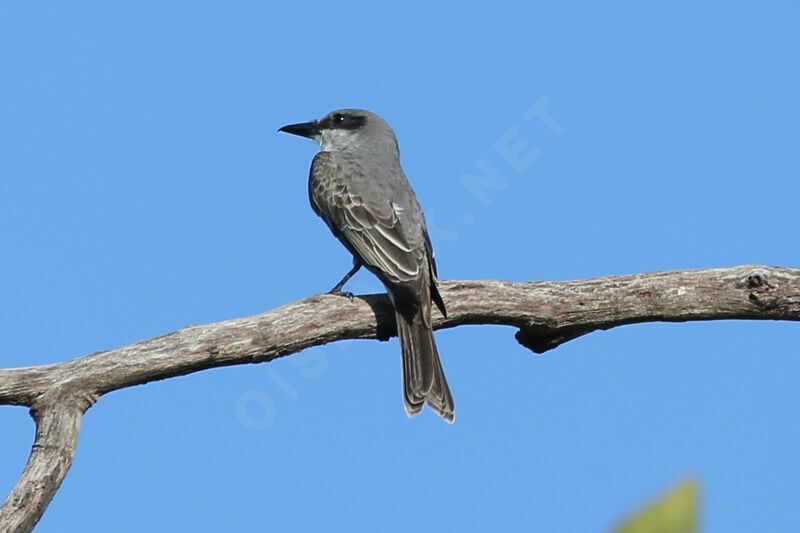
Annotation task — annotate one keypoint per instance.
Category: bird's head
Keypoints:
(347, 130)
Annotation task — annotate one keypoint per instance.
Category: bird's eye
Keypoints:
(338, 117)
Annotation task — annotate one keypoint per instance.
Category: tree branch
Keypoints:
(547, 314)
(57, 425)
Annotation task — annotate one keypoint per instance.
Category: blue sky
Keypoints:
(143, 187)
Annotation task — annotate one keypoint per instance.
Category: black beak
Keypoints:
(304, 129)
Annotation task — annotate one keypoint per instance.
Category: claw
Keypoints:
(338, 292)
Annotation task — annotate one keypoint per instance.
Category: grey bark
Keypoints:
(546, 315)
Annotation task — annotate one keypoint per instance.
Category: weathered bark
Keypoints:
(546, 314)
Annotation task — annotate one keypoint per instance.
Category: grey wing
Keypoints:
(372, 231)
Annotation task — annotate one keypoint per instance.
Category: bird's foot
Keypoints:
(340, 292)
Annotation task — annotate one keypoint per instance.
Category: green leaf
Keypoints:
(674, 513)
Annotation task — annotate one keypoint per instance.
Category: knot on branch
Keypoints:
(540, 340)
(756, 279)
(761, 290)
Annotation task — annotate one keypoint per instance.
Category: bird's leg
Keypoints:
(338, 288)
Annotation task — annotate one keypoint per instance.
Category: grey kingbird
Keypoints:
(356, 185)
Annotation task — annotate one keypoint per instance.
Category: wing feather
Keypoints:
(372, 232)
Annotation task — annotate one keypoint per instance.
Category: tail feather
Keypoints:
(423, 377)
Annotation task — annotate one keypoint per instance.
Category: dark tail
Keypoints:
(423, 378)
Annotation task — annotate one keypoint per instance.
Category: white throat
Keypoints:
(335, 140)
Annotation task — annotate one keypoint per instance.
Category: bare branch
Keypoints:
(57, 425)
(547, 314)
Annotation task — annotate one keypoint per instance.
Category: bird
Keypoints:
(357, 186)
